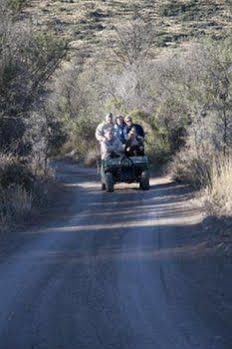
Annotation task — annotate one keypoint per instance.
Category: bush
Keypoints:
(27, 61)
(217, 197)
(16, 5)
(173, 8)
(15, 173)
(57, 136)
(188, 10)
(21, 188)
(27, 134)
(188, 167)
(182, 106)
(12, 130)
(15, 204)
(85, 137)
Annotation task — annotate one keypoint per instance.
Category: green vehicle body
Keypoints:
(134, 169)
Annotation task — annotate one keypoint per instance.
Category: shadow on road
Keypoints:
(149, 239)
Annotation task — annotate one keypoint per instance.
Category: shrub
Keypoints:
(188, 167)
(188, 10)
(15, 173)
(217, 197)
(21, 188)
(173, 8)
(57, 136)
(85, 136)
(12, 131)
(16, 5)
(28, 136)
(27, 61)
(15, 204)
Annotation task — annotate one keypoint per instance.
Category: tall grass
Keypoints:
(217, 195)
(189, 167)
(23, 188)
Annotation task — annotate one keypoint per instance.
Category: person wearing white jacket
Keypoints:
(104, 126)
(111, 147)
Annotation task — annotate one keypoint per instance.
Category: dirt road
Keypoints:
(116, 270)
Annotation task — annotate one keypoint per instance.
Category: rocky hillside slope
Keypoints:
(88, 23)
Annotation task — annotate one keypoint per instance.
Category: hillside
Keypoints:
(88, 23)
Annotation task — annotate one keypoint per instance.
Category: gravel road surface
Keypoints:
(115, 270)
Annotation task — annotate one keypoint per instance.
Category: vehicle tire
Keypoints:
(144, 181)
(103, 186)
(109, 182)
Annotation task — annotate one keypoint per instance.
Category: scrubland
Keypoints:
(28, 135)
(65, 64)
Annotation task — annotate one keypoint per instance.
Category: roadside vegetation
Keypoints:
(28, 135)
(167, 63)
(182, 97)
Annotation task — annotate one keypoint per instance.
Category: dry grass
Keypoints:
(88, 23)
(91, 157)
(188, 167)
(19, 197)
(217, 196)
(15, 202)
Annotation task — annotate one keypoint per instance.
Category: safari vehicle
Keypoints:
(124, 169)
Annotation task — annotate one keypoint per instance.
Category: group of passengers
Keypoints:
(120, 136)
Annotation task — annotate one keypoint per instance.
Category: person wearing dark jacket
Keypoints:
(130, 125)
(120, 129)
(134, 144)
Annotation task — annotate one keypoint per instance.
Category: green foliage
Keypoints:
(188, 10)
(27, 136)
(57, 136)
(22, 76)
(177, 99)
(84, 133)
(17, 5)
(27, 61)
(157, 144)
(176, 7)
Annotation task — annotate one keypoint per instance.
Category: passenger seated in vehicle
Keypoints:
(111, 147)
(120, 129)
(134, 144)
(131, 125)
(107, 124)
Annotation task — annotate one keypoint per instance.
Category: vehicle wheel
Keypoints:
(109, 182)
(144, 181)
(103, 186)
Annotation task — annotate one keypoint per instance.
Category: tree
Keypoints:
(132, 43)
(27, 61)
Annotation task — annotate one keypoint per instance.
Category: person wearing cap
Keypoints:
(134, 144)
(111, 146)
(138, 128)
(120, 129)
(107, 124)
